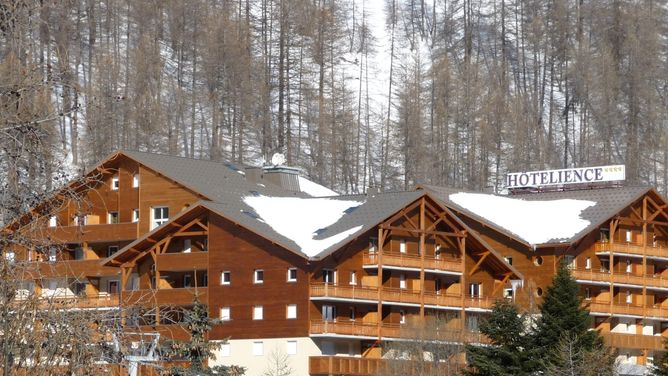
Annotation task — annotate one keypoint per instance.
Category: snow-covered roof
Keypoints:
(543, 218)
(302, 220)
(536, 222)
(314, 189)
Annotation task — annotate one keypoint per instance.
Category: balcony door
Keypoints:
(112, 287)
(328, 313)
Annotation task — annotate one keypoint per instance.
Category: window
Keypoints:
(629, 236)
(588, 263)
(538, 261)
(570, 261)
(292, 311)
(225, 314)
(508, 293)
(472, 323)
(52, 254)
(475, 290)
(80, 220)
(437, 286)
(111, 250)
(605, 266)
(629, 297)
(10, 256)
(351, 314)
(292, 275)
(258, 348)
(187, 280)
(605, 235)
(628, 266)
(402, 281)
(225, 278)
(112, 217)
(115, 183)
(329, 276)
(53, 221)
(225, 349)
(78, 253)
(539, 292)
(402, 245)
(509, 259)
(135, 215)
(291, 348)
(187, 245)
(587, 293)
(437, 251)
(353, 278)
(112, 287)
(160, 216)
(328, 313)
(402, 317)
(258, 313)
(258, 276)
(135, 180)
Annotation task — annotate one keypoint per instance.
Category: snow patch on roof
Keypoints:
(537, 222)
(314, 189)
(300, 219)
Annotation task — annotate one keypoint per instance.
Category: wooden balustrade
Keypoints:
(626, 309)
(182, 261)
(406, 260)
(163, 296)
(69, 268)
(356, 366)
(93, 233)
(343, 291)
(632, 248)
(633, 341)
(77, 301)
(620, 277)
(388, 330)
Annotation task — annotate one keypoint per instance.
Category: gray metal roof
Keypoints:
(608, 202)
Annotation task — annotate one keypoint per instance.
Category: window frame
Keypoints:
(288, 309)
(229, 313)
(260, 273)
(113, 214)
(155, 221)
(135, 180)
(258, 313)
(115, 183)
(229, 277)
(290, 278)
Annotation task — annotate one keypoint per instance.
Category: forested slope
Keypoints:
(357, 92)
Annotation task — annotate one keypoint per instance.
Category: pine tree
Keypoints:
(562, 316)
(510, 350)
(198, 349)
(660, 367)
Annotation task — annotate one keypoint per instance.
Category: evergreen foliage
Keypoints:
(198, 349)
(562, 316)
(510, 350)
(660, 367)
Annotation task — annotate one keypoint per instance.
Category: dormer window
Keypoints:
(115, 183)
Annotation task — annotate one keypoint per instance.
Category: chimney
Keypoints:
(282, 176)
(253, 174)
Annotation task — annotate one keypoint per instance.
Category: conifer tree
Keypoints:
(562, 316)
(660, 367)
(510, 350)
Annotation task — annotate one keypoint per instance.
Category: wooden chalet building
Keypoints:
(291, 268)
(615, 240)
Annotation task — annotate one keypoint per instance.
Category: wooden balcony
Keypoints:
(166, 297)
(93, 233)
(405, 260)
(340, 365)
(71, 269)
(386, 330)
(620, 278)
(328, 290)
(394, 295)
(626, 309)
(631, 248)
(180, 262)
(74, 301)
(633, 341)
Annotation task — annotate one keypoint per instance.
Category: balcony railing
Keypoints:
(626, 309)
(70, 268)
(347, 365)
(621, 278)
(406, 260)
(93, 233)
(387, 330)
(632, 248)
(173, 296)
(76, 301)
(181, 261)
(395, 295)
(633, 341)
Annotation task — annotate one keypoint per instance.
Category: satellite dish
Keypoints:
(278, 159)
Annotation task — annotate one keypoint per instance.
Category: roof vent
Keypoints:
(282, 176)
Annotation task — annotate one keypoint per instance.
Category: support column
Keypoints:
(421, 249)
(462, 251)
(613, 229)
(644, 254)
(379, 260)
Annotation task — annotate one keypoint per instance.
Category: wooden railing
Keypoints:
(620, 277)
(632, 248)
(94, 233)
(387, 330)
(70, 268)
(347, 365)
(626, 309)
(182, 261)
(76, 301)
(174, 296)
(395, 295)
(407, 260)
(633, 341)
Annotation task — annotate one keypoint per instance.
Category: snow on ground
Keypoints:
(314, 189)
(536, 222)
(299, 219)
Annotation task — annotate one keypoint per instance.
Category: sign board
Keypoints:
(582, 175)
